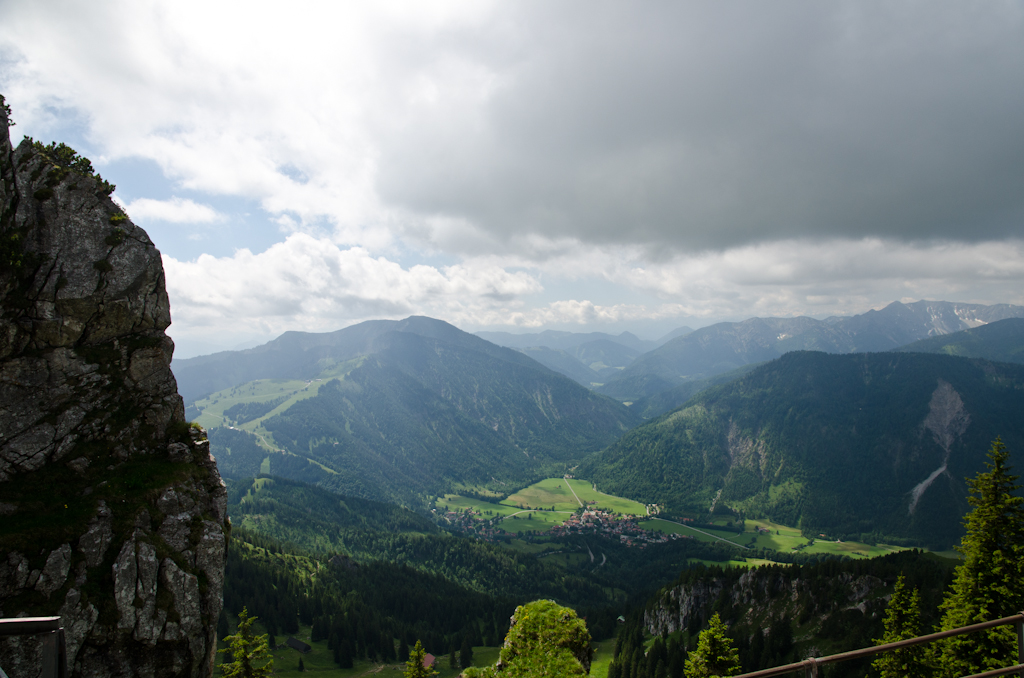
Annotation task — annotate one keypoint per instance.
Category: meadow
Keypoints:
(543, 505)
(772, 536)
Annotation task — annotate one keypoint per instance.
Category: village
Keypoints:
(584, 521)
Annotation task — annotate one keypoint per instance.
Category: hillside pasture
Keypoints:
(213, 406)
(585, 491)
(778, 537)
(550, 492)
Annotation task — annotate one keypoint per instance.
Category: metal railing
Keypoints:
(810, 665)
(50, 632)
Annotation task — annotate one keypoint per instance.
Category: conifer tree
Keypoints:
(414, 668)
(250, 655)
(987, 584)
(466, 653)
(715, 654)
(902, 622)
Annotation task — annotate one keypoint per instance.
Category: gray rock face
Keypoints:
(113, 508)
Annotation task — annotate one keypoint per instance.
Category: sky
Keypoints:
(525, 165)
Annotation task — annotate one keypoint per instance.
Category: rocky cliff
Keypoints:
(113, 512)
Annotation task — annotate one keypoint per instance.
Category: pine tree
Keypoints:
(249, 652)
(987, 584)
(715, 654)
(466, 653)
(414, 668)
(902, 622)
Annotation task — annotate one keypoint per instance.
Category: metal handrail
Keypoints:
(810, 665)
(55, 663)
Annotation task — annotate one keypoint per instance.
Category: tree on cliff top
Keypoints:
(715, 655)
(250, 653)
(545, 639)
(988, 583)
(414, 668)
(902, 622)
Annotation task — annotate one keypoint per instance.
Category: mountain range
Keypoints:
(402, 410)
(867, 447)
(727, 346)
(397, 410)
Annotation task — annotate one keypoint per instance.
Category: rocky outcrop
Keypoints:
(114, 514)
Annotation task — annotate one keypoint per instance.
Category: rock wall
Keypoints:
(112, 512)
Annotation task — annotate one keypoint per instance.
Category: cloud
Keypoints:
(176, 210)
(314, 285)
(475, 127)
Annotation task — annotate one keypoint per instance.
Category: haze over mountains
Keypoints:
(402, 410)
(726, 346)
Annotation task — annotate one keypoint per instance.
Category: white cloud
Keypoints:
(315, 285)
(580, 163)
(176, 210)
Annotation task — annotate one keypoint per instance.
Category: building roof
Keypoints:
(298, 645)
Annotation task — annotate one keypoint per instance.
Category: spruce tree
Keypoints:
(987, 584)
(466, 653)
(715, 654)
(249, 653)
(902, 622)
(414, 668)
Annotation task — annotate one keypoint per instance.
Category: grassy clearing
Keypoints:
(261, 390)
(602, 658)
(550, 492)
(778, 537)
(587, 493)
(533, 521)
(455, 502)
(522, 511)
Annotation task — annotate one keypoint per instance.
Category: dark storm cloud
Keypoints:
(709, 125)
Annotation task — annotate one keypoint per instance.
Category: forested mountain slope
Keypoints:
(777, 615)
(726, 346)
(305, 355)
(1002, 341)
(871, 446)
(400, 411)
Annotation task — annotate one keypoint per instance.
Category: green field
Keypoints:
(778, 537)
(263, 390)
(530, 509)
(558, 492)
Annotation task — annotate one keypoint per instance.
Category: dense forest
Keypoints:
(776, 614)
(833, 443)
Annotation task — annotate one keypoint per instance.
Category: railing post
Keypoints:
(811, 668)
(1020, 644)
